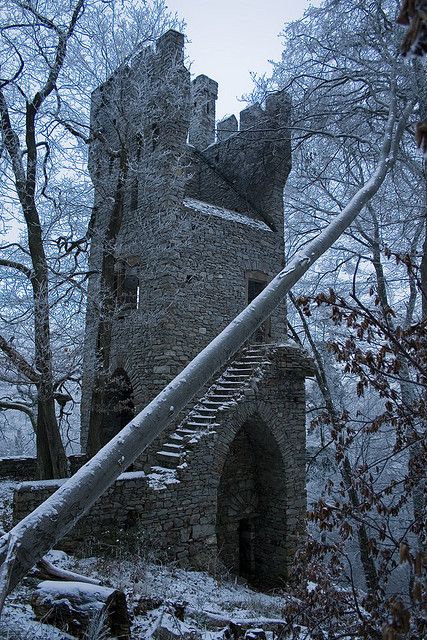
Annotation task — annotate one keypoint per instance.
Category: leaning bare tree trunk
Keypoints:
(29, 540)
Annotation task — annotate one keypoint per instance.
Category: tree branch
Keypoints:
(19, 361)
(17, 265)
(18, 406)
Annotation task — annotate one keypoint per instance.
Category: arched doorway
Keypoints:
(251, 515)
(120, 408)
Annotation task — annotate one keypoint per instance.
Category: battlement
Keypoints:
(247, 166)
(150, 106)
(171, 44)
(204, 92)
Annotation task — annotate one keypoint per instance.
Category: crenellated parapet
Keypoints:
(246, 169)
(140, 114)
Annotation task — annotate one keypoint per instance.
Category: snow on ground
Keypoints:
(204, 597)
(201, 593)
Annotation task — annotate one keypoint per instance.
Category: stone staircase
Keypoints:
(204, 416)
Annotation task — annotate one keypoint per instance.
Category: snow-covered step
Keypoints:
(237, 375)
(176, 437)
(190, 429)
(204, 412)
(171, 447)
(169, 459)
(193, 423)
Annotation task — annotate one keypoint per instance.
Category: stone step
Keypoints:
(169, 459)
(172, 447)
(216, 402)
(224, 397)
(176, 437)
(200, 422)
(196, 426)
(204, 412)
(190, 429)
(244, 369)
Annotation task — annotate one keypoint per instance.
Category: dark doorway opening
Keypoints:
(246, 548)
(251, 524)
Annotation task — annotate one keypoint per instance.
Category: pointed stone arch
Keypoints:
(253, 498)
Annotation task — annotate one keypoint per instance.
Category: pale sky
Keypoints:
(231, 38)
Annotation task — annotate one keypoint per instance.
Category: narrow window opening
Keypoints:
(131, 289)
(127, 288)
(256, 283)
(254, 289)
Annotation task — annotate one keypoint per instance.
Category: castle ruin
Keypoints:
(187, 230)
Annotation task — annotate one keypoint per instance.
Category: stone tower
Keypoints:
(196, 229)
(187, 229)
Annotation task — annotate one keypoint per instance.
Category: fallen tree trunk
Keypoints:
(215, 621)
(36, 534)
(78, 608)
(45, 570)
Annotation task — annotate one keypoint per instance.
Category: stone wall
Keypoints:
(193, 515)
(24, 468)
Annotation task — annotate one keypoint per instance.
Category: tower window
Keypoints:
(254, 288)
(256, 281)
(127, 286)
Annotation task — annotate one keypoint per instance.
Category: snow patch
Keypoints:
(226, 214)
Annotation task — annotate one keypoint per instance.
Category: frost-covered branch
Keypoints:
(19, 361)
